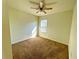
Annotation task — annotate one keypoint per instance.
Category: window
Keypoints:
(43, 26)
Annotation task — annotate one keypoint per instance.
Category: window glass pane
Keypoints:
(43, 27)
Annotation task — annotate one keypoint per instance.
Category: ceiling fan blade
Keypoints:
(34, 2)
(44, 11)
(37, 11)
(48, 8)
(51, 3)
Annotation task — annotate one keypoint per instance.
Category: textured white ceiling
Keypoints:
(60, 6)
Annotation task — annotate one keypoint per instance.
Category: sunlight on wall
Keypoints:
(34, 32)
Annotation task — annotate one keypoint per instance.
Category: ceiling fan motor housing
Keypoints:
(41, 4)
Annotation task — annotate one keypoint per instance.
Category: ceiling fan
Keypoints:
(42, 6)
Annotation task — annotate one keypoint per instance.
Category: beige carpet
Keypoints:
(39, 48)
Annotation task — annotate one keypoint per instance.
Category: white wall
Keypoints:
(58, 27)
(73, 38)
(21, 25)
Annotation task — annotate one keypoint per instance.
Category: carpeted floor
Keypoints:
(39, 48)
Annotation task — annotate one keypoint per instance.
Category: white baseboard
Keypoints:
(26, 38)
(21, 40)
(54, 40)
